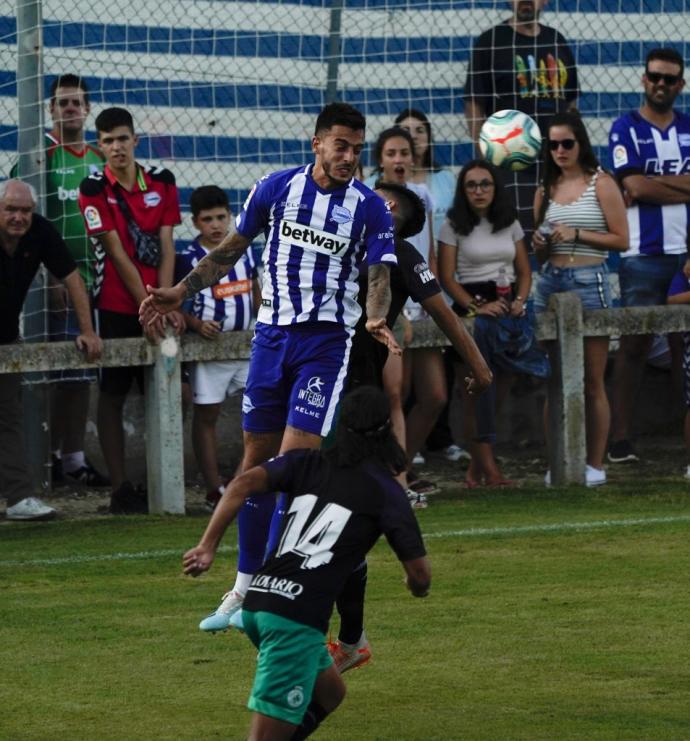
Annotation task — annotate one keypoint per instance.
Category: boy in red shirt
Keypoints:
(130, 212)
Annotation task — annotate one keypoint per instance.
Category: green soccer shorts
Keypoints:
(291, 656)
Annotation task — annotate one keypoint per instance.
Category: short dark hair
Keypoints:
(383, 137)
(339, 114)
(411, 209)
(364, 431)
(501, 212)
(208, 196)
(428, 159)
(665, 55)
(69, 80)
(110, 118)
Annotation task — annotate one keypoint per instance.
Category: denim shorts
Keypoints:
(645, 280)
(589, 282)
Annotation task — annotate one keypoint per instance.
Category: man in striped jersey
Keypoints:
(650, 150)
(319, 222)
(229, 305)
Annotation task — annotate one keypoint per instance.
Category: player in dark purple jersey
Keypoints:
(339, 503)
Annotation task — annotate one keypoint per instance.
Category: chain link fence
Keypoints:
(224, 91)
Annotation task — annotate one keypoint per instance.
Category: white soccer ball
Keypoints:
(510, 139)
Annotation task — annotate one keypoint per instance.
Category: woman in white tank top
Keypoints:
(580, 215)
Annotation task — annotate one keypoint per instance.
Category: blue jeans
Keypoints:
(645, 280)
(589, 282)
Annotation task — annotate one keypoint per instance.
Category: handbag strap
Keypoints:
(122, 204)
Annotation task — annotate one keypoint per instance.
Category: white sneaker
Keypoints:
(30, 508)
(687, 472)
(456, 453)
(416, 500)
(594, 476)
(418, 460)
(220, 619)
(547, 478)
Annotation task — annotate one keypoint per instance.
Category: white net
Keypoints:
(224, 91)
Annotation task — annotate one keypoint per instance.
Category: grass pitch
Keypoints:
(560, 614)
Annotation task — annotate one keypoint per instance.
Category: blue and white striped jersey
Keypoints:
(640, 148)
(230, 300)
(315, 243)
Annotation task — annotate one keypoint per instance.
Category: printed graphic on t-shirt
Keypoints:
(547, 78)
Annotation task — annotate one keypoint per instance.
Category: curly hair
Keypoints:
(364, 432)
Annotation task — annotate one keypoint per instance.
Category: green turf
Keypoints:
(535, 628)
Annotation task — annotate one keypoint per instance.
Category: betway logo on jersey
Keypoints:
(313, 239)
(273, 585)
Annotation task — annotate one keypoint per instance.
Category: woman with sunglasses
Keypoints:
(580, 215)
(480, 242)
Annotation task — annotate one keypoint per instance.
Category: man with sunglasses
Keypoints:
(650, 151)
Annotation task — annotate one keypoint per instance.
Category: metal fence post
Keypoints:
(164, 450)
(31, 166)
(566, 418)
(334, 41)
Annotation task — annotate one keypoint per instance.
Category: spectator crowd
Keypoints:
(463, 246)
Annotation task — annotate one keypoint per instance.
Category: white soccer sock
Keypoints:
(242, 582)
(354, 646)
(73, 461)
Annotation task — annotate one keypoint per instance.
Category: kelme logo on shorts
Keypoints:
(247, 405)
(295, 697)
(313, 239)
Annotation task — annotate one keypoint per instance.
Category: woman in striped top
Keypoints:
(580, 215)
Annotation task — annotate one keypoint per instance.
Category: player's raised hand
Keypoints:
(197, 560)
(160, 301)
(381, 331)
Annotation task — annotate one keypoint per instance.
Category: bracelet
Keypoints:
(520, 299)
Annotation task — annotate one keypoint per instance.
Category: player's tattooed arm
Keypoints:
(379, 292)
(378, 303)
(215, 265)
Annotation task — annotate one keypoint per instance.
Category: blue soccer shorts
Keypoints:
(296, 377)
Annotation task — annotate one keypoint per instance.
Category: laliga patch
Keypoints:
(341, 215)
(151, 199)
(620, 156)
(92, 218)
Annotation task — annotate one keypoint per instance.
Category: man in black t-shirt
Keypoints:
(26, 241)
(525, 66)
(338, 504)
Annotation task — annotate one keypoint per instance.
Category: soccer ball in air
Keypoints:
(510, 139)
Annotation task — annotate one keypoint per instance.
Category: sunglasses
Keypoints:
(565, 143)
(657, 77)
(481, 185)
